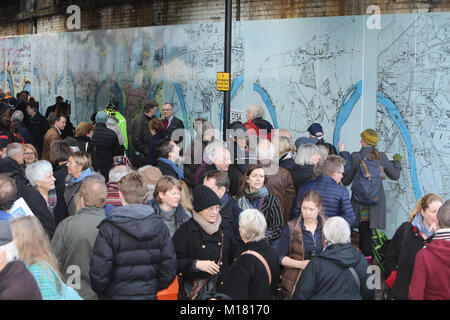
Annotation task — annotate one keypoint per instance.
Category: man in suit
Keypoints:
(172, 123)
(53, 134)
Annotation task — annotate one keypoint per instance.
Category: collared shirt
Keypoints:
(59, 131)
(169, 121)
(5, 216)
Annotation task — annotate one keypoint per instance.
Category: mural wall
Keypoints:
(331, 70)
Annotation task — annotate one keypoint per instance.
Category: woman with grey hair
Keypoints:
(306, 160)
(255, 273)
(339, 272)
(40, 175)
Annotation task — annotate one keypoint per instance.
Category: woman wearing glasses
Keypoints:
(202, 247)
(30, 154)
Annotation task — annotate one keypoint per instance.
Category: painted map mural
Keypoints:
(332, 70)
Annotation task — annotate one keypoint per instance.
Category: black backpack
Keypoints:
(367, 184)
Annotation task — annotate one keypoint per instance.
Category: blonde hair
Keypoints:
(33, 243)
(186, 199)
(283, 145)
(32, 148)
(423, 203)
(82, 159)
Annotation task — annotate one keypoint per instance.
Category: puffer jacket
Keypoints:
(133, 255)
(105, 146)
(327, 277)
(335, 199)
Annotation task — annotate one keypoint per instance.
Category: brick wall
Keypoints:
(50, 15)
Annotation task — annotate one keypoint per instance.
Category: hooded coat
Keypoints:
(133, 255)
(327, 277)
(431, 275)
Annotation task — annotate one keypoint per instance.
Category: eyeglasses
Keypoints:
(29, 153)
(341, 172)
(214, 208)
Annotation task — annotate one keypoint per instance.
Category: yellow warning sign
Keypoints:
(223, 81)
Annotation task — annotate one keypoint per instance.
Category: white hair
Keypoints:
(266, 150)
(337, 231)
(12, 253)
(117, 173)
(212, 149)
(37, 171)
(255, 111)
(13, 148)
(305, 153)
(17, 115)
(253, 224)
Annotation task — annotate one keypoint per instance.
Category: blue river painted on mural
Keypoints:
(345, 110)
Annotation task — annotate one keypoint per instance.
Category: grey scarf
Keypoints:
(209, 228)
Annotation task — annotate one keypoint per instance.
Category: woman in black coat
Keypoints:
(409, 238)
(83, 134)
(59, 154)
(202, 247)
(307, 157)
(255, 273)
(157, 131)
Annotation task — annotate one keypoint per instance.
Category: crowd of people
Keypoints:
(259, 216)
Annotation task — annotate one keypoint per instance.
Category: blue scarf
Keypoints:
(418, 223)
(224, 199)
(174, 167)
(83, 175)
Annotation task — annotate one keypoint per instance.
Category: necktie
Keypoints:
(166, 123)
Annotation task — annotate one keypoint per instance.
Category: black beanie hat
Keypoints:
(204, 198)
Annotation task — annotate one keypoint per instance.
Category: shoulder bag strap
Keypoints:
(264, 262)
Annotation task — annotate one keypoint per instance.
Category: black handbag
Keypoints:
(198, 288)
